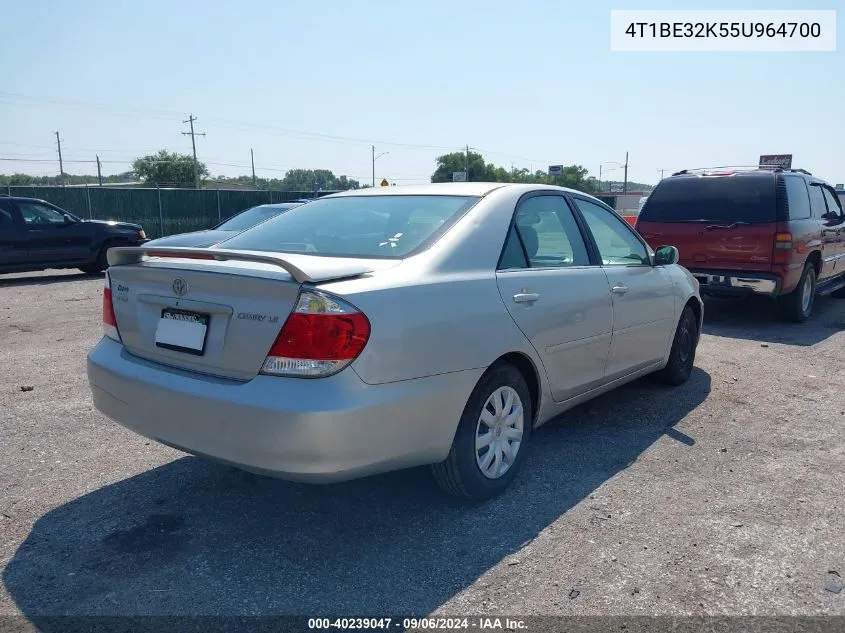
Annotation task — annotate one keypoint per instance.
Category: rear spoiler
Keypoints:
(320, 270)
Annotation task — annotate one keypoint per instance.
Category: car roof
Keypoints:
(745, 173)
(451, 189)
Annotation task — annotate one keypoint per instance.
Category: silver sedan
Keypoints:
(380, 329)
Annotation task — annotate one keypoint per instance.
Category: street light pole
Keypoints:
(625, 184)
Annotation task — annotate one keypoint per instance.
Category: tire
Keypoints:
(682, 356)
(461, 473)
(99, 265)
(796, 306)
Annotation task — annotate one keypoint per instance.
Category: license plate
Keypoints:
(182, 331)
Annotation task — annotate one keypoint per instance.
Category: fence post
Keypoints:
(88, 195)
(218, 206)
(270, 195)
(9, 189)
(160, 213)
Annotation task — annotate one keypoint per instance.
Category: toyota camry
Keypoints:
(380, 329)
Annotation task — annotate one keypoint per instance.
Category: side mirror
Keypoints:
(69, 220)
(666, 256)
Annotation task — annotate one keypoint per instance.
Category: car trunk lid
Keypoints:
(215, 312)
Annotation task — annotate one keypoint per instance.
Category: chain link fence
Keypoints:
(159, 211)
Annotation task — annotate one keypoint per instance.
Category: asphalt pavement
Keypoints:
(723, 496)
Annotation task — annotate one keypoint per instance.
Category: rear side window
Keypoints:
(799, 199)
(382, 226)
(713, 199)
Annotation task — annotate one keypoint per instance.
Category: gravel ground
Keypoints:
(724, 496)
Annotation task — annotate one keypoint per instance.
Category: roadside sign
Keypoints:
(840, 187)
(784, 161)
(459, 176)
(555, 170)
(384, 182)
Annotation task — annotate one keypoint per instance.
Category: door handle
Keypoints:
(619, 289)
(525, 297)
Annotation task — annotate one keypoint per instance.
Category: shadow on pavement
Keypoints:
(43, 280)
(195, 538)
(756, 319)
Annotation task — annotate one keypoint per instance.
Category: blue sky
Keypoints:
(535, 82)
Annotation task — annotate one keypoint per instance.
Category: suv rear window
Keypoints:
(713, 199)
(382, 226)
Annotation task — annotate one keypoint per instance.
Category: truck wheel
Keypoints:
(798, 304)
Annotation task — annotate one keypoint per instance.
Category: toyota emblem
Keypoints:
(180, 287)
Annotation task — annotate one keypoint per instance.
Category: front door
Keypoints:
(643, 300)
(834, 229)
(560, 302)
(51, 235)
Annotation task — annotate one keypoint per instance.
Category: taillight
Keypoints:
(320, 337)
(109, 319)
(783, 240)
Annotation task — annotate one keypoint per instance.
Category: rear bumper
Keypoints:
(315, 430)
(737, 282)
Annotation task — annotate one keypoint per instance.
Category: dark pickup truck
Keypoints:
(37, 235)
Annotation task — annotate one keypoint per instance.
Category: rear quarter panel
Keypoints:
(437, 325)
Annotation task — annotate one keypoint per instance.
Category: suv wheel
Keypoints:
(491, 439)
(798, 304)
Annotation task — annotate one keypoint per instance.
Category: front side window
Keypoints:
(35, 214)
(834, 211)
(817, 202)
(381, 226)
(545, 235)
(617, 244)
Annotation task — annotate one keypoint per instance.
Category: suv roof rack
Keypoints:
(739, 168)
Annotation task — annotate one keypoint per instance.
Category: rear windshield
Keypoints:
(714, 199)
(390, 226)
(251, 217)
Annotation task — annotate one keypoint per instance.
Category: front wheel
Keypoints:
(99, 264)
(682, 355)
(798, 304)
(492, 434)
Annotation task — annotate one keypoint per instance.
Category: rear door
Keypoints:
(556, 297)
(12, 242)
(49, 236)
(717, 222)
(643, 297)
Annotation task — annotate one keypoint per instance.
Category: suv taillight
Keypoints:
(109, 319)
(320, 337)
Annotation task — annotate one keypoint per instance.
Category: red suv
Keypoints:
(774, 232)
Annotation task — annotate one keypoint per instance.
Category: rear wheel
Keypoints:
(490, 442)
(682, 355)
(798, 304)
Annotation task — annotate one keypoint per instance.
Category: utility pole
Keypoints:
(193, 136)
(61, 165)
(373, 148)
(599, 177)
(99, 172)
(625, 184)
(466, 163)
(252, 160)
(661, 173)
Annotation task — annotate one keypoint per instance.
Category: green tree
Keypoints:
(573, 176)
(166, 169)
(316, 179)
